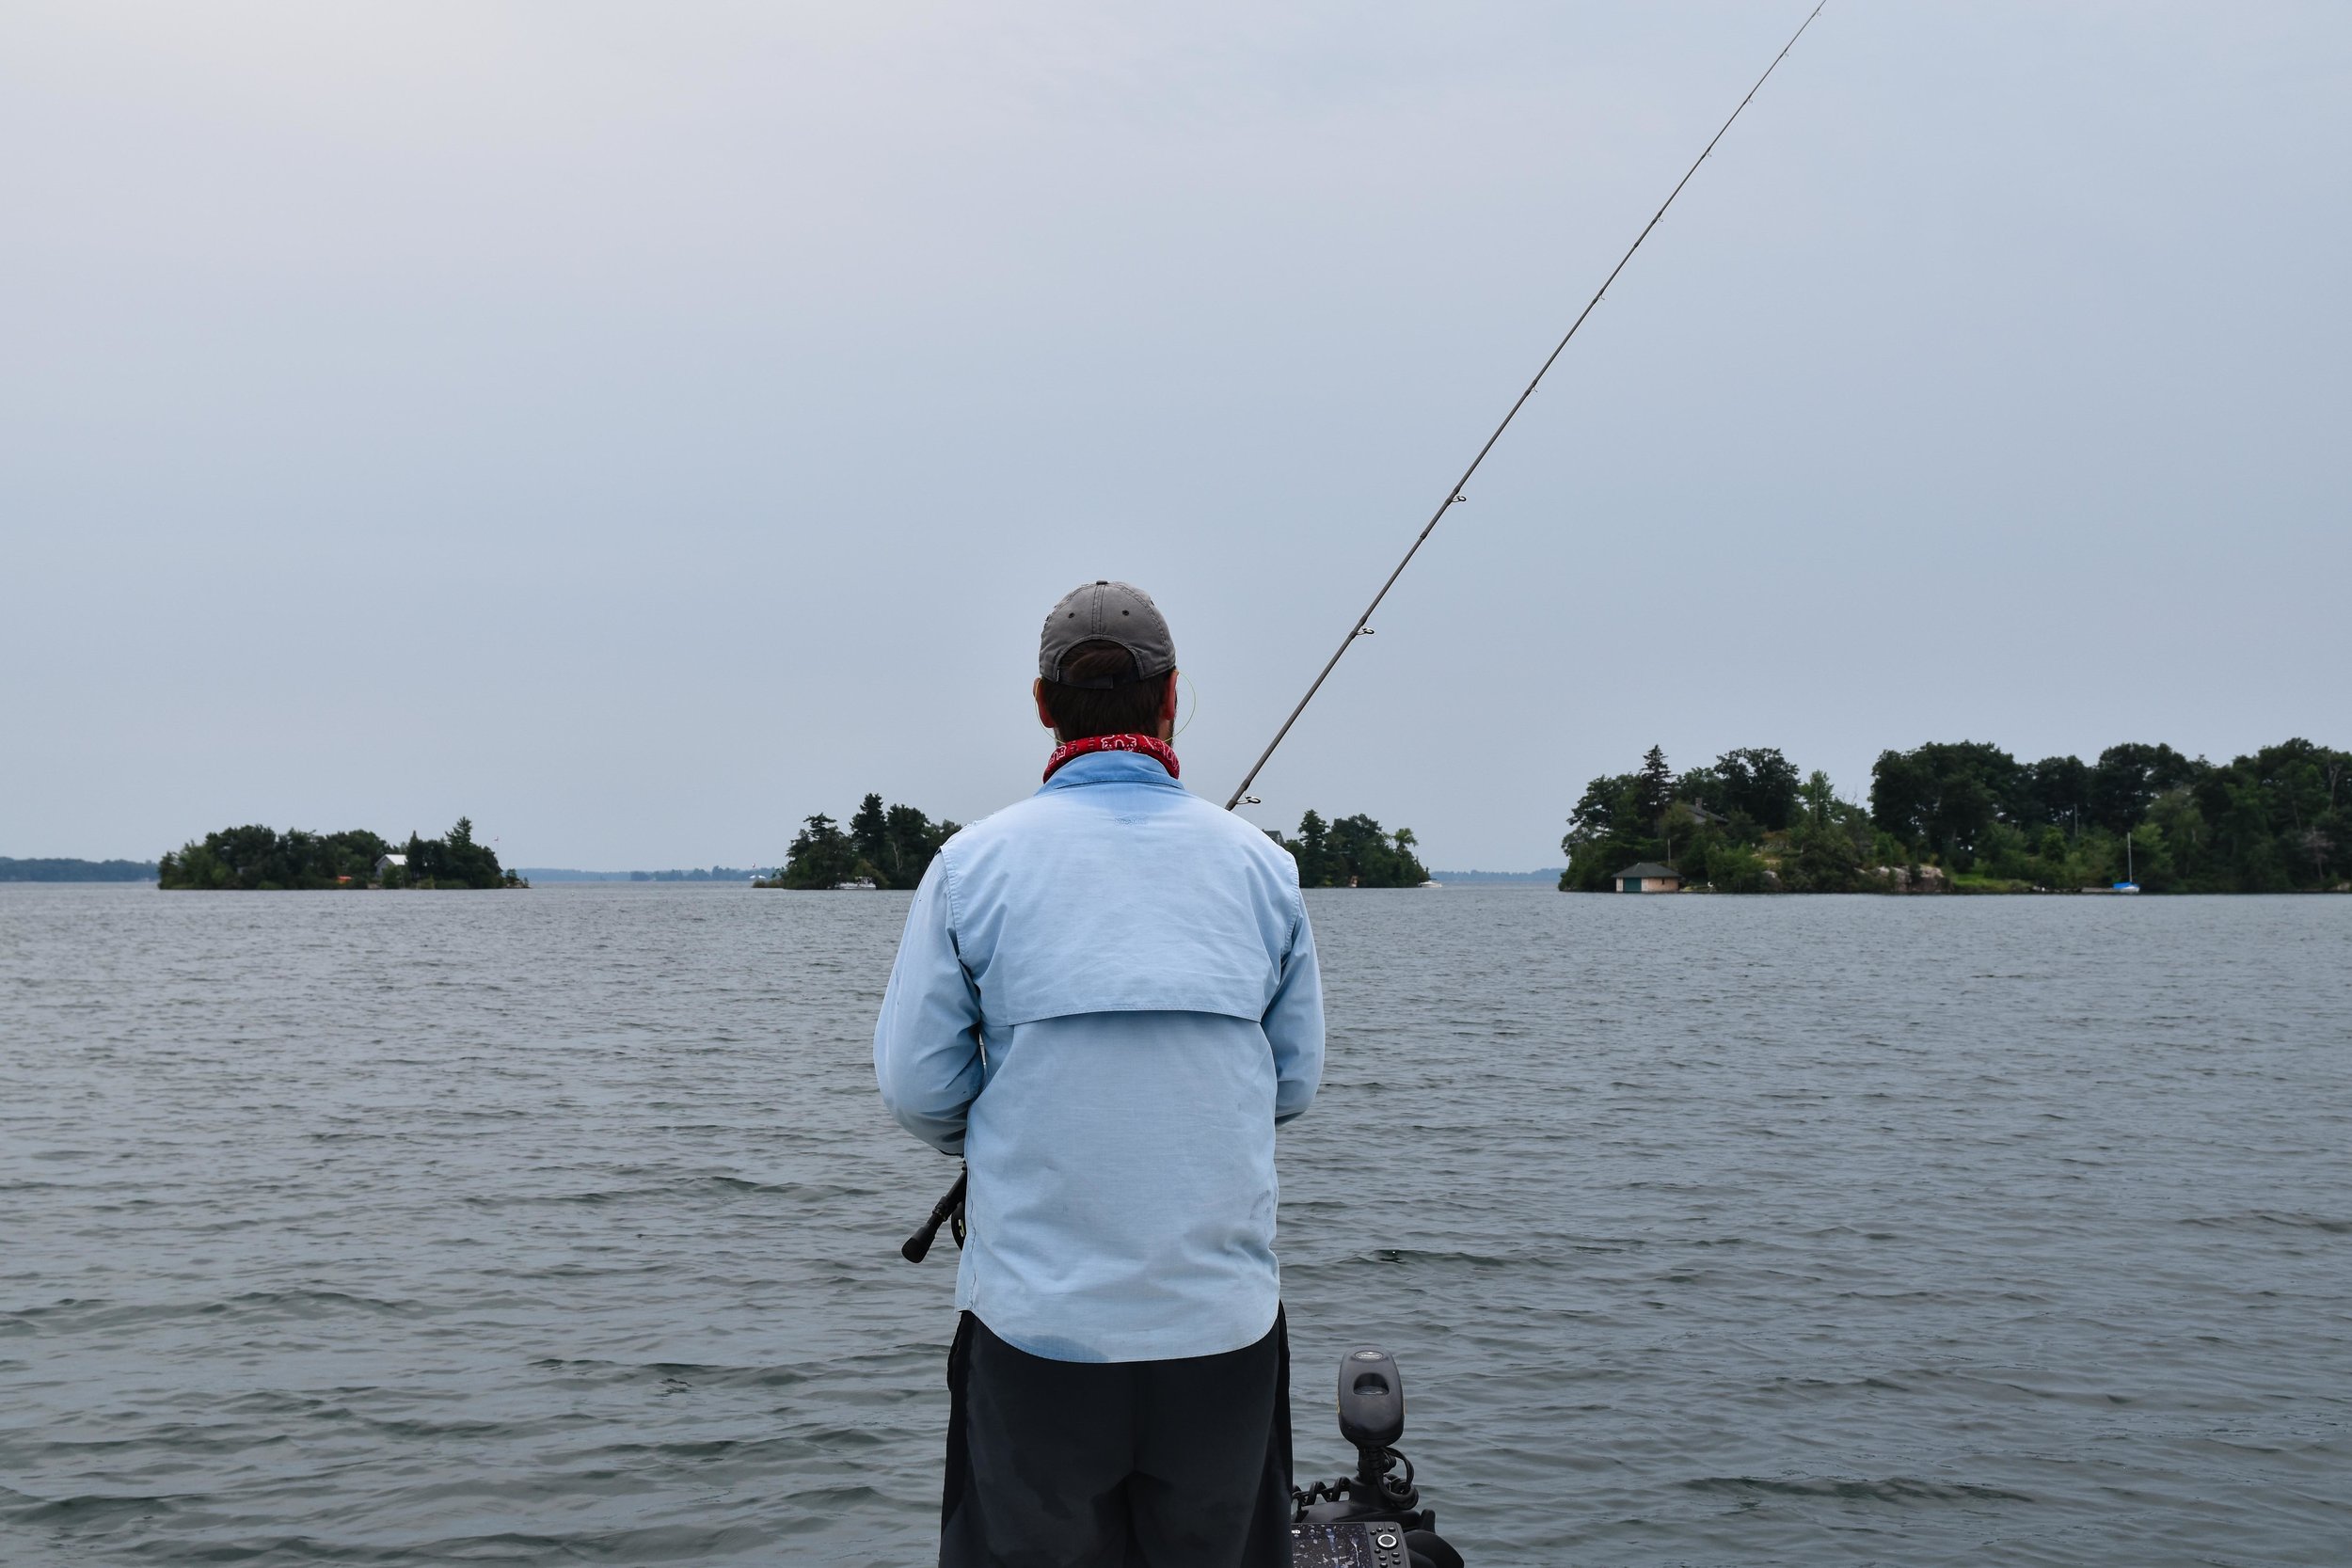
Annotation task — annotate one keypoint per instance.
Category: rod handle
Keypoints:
(918, 1246)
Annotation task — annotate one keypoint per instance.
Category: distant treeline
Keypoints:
(889, 846)
(1352, 851)
(76, 871)
(1497, 878)
(257, 858)
(715, 874)
(2277, 821)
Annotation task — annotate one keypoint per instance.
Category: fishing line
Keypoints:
(1454, 496)
(1196, 706)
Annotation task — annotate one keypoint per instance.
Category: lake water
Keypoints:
(561, 1226)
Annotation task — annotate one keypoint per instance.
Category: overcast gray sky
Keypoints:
(639, 426)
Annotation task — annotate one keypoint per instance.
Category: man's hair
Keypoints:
(1130, 707)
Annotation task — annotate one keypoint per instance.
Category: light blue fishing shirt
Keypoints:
(1105, 1000)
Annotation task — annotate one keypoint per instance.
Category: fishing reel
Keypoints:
(1374, 1518)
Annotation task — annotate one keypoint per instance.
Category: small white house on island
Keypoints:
(384, 862)
(1649, 877)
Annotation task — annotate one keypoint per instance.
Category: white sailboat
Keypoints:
(2127, 884)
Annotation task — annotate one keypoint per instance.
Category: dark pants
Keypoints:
(1181, 1464)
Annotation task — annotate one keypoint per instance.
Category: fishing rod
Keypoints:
(950, 1207)
(1454, 496)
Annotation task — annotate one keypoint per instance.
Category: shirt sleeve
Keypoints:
(927, 1043)
(1293, 1025)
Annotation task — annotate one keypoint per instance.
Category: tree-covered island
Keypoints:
(1968, 815)
(885, 846)
(1353, 852)
(258, 859)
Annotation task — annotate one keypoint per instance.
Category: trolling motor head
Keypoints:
(1375, 1511)
(1372, 1418)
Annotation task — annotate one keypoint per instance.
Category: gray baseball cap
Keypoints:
(1106, 611)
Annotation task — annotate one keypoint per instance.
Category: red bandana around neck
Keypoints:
(1151, 746)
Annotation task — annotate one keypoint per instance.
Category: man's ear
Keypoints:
(1045, 714)
(1168, 708)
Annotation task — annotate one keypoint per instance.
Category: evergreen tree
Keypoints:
(910, 841)
(1312, 851)
(869, 833)
(1655, 787)
(821, 855)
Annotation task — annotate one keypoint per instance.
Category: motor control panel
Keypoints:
(1356, 1543)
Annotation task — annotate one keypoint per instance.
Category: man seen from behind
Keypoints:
(1106, 1000)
